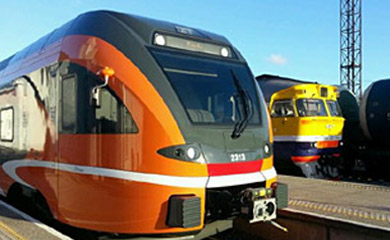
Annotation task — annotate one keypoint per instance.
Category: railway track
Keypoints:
(366, 180)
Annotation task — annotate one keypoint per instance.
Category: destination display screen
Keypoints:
(191, 45)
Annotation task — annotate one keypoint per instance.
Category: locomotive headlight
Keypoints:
(341, 144)
(314, 144)
(159, 40)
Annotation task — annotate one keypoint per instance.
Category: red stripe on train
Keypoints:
(219, 169)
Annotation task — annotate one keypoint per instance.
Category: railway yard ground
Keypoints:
(17, 225)
(318, 209)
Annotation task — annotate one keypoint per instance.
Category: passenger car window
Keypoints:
(7, 124)
(283, 108)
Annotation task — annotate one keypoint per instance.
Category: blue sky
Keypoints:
(294, 38)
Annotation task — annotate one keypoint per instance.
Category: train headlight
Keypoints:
(267, 148)
(191, 153)
(314, 145)
(224, 52)
(159, 40)
(341, 143)
(186, 152)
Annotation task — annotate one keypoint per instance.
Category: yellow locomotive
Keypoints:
(307, 125)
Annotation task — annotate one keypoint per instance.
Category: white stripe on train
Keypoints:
(295, 138)
(10, 168)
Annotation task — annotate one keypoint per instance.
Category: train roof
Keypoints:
(271, 84)
(107, 25)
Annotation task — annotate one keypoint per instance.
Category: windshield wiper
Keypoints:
(240, 126)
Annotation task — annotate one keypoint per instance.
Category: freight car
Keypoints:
(367, 130)
(124, 124)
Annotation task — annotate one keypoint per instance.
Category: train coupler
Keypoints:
(258, 205)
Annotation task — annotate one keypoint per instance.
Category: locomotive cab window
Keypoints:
(209, 89)
(283, 108)
(112, 116)
(334, 108)
(80, 115)
(311, 107)
(7, 124)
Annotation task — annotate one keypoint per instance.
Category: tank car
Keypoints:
(375, 112)
(367, 131)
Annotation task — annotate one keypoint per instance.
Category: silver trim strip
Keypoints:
(297, 138)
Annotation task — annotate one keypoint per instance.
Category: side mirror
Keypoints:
(96, 98)
(107, 72)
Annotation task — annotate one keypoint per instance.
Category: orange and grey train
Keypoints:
(124, 124)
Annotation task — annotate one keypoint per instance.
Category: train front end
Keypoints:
(308, 128)
(225, 125)
(198, 146)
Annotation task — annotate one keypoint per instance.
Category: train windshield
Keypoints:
(209, 89)
(311, 107)
(334, 108)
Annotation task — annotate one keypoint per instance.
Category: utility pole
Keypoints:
(351, 45)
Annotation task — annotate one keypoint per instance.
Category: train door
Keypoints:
(48, 89)
(67, 126)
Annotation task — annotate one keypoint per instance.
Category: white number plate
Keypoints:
(237, 157)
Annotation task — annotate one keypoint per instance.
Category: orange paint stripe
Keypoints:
(305, 158)
(327, 144)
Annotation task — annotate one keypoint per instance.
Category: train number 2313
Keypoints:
(236, 157)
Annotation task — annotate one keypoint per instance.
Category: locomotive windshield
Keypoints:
(209, 89)
(311, 107)
(334, 108)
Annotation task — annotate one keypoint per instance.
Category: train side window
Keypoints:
(7, 124)
(69, 103)
(283, 108)
(112, 116)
